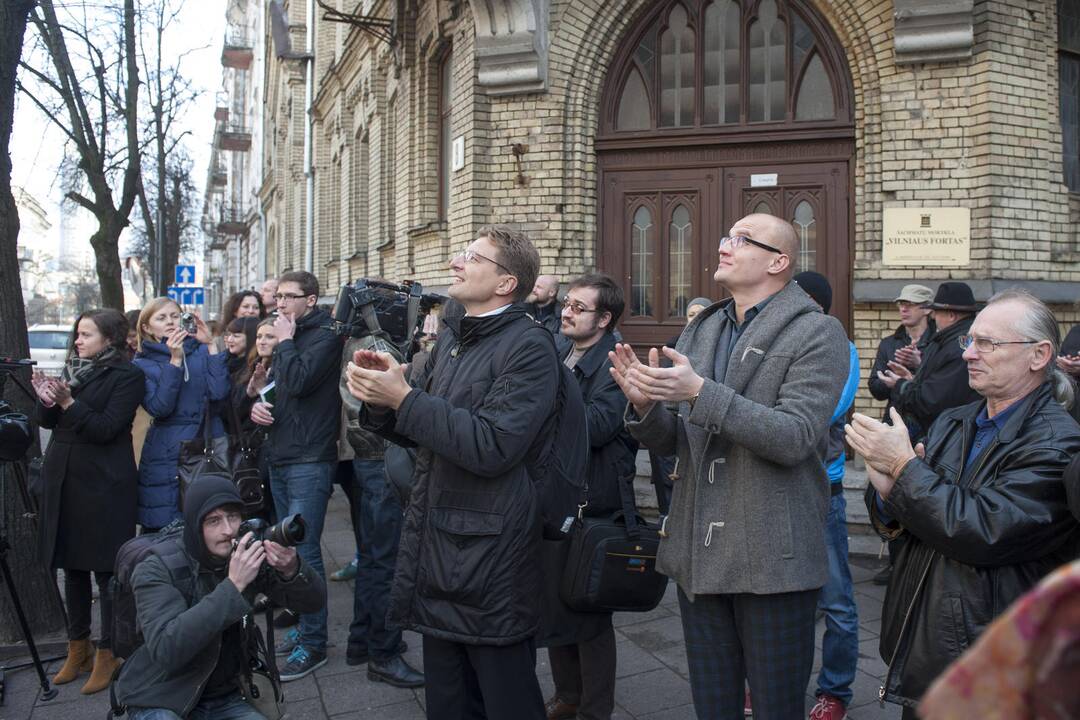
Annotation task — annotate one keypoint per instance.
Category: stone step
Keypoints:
(862, 540)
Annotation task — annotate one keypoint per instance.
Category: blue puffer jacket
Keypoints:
(177, 406)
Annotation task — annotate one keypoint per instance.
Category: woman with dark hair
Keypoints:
(245, 303)
(89, 488)
(240, 344)
(184, 374)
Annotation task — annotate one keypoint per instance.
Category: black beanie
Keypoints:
(817, 287)
(202, 497)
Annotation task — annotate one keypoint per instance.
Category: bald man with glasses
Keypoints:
(745, 407)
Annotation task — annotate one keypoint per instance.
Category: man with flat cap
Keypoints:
(908, 343)
(941, 382)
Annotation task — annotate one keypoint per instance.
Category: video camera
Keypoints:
(389, 316)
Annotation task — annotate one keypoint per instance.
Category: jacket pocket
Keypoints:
(787, 534)
(955, 633)
(461, 553)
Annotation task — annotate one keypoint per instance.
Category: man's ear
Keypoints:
(604, 321)
(507, 285)
(779, 264)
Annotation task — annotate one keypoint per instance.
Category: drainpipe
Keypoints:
(309, 163)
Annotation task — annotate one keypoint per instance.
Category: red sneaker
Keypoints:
(828, 708)
(748, 708)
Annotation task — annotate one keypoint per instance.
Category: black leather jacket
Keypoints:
(887, 351)
(468, 568)
(972, 547)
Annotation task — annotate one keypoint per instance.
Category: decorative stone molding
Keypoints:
(933, 30)
(512, 45)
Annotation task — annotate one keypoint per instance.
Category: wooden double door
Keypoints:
(660, 229)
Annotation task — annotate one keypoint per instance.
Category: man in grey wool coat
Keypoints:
(745, 407)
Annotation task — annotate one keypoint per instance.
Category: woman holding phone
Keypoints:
(184, 374)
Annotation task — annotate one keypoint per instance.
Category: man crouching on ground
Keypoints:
(192, 656)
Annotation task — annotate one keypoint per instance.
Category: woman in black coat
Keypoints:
(89, 489)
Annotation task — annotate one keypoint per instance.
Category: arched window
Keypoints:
(727, 65)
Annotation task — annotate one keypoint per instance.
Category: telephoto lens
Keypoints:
(289, 532)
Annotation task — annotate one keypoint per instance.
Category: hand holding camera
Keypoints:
(246, 561)
(175, 342)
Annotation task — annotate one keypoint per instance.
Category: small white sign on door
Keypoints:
(764, 180)
(458, 160)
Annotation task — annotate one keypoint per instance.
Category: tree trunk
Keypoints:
(35, 583)
(106, 244)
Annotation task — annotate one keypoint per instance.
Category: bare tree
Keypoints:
(84, 92)
(32, 579)
(177, 221)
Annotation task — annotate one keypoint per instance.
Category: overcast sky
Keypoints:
(36, 146)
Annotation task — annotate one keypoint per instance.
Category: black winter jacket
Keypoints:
(468, 569)
(887, 351)
(550, 316)
(940, 383)
(307, 407)
(972, 548)
(611, 466)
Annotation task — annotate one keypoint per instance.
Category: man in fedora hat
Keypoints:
(941, 381)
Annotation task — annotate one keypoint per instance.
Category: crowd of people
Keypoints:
(746, 416)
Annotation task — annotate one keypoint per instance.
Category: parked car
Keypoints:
(49, 346)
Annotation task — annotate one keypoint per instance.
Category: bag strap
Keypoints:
(271, 663)
(629, 508)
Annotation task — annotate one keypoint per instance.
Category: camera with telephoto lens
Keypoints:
(388, 317)
(188, 324)
(287, 533)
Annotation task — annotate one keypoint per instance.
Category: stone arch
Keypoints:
(605, 26)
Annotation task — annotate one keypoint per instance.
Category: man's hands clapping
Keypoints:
(377, 379)
(644, 384)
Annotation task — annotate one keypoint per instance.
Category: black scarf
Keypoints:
(78, 370)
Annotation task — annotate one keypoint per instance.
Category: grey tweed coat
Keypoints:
(751, 495)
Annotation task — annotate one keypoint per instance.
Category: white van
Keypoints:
(49, 346)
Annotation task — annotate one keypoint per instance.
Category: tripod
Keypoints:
(47, 691)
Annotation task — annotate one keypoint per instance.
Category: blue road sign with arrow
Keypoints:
(187, 295)
(185, 275)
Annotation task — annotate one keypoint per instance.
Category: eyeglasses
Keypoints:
(289, 296)
(577, 308)
(986, 345)
(471, 256)
(738, 241)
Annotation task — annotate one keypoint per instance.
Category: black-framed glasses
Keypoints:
(289, 296)
(987, 345)
(577, 308)
(738, 241)
(471, 256)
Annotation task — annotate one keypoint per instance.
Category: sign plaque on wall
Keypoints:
(928, 237)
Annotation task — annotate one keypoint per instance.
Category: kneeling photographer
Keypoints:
(192, 594)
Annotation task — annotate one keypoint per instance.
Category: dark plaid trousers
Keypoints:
(765, 639)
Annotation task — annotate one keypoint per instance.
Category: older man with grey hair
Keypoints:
(982, 507)
(745, 407)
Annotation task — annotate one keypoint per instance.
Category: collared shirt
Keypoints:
(496, 311)
(987, 429)
(731, 333)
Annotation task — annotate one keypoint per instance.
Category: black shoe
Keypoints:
(395, 672)
(882, 578)
(360, 656)
(286, 618)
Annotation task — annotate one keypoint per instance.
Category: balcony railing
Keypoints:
(234, 137)
(237, 52)
(233, 220)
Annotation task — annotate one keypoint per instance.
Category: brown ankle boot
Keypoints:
(105, 665)
(80, 659)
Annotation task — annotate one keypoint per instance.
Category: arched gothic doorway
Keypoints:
(714, 109)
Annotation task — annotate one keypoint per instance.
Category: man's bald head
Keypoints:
(545, 290)
(766, 263)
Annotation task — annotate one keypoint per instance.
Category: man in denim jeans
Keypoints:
(840, 646)
(302, 411)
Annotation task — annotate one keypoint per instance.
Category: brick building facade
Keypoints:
(627, 136)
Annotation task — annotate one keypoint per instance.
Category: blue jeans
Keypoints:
(305, 488)
(229, 707)
(840, 647)
(377, 524)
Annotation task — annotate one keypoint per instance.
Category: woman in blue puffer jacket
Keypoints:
(184, 374)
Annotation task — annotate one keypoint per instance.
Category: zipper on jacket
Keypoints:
(918, 588)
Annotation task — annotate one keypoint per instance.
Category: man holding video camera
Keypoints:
(191, 594)
(303, 416)
(468, 572)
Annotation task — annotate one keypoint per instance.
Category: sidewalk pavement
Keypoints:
(652, 671)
